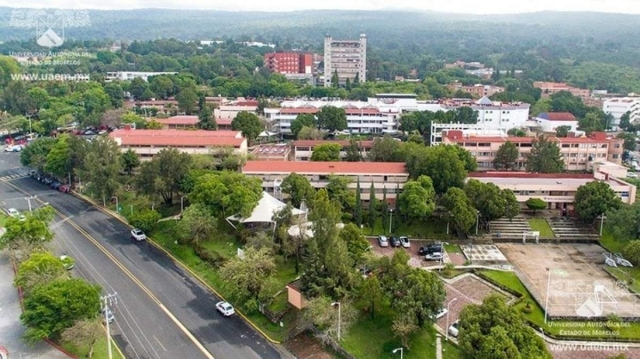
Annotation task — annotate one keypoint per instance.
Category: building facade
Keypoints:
(303, 149)
(579, 153)
(189, 122)
(477, 90)
(289, 62)
(229, 110)
(550, 121)
(347, 58)
(550, 88)
(130, 75)
(387, 177)
(618, 106)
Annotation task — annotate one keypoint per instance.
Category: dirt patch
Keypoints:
(305, 346)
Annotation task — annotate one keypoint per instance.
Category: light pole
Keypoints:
(29, 201)
(546, 302)
(131, 206)
(339, 317)
(447, 328)
(477, 221)
(390, 219)
(401, 350)
(69, 180)
(108, 300)
(602, 218)
(182, 204)
(117, 205)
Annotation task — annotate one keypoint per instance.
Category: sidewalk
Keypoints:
(11, 329)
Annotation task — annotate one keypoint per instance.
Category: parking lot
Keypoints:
(416, 259)
(578, 284)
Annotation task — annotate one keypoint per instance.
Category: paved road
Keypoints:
(163, 290)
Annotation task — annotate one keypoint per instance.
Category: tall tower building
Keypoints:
(347, 58)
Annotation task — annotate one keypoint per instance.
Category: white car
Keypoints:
(453, 329)
(138, 235)
(13, 212)
(405, 242)
(107, 315)
(225, 308)
(382, 241)
(434, 256)
(67, 262)
(22, 218)
(632, 175)
(440, 314)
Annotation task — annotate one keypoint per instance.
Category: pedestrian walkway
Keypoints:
(14, 176)
(438, 346)
(11, 329)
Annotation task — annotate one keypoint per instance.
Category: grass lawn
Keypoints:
(510, 280)
(100, 350)
(3, 220)
(541, 225)
(452, 248)
(373, 338)
(431, 229)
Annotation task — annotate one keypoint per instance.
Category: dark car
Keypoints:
(64, 188)
(430, 248)
(395, 242)
(48, 180)
(56, 185)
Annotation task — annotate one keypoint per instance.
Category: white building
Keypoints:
(550, 121)
(347, 58)
(130, 75)
(620, 105)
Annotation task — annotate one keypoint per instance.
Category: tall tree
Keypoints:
(624, 223)
(462, 212)
(187, 99)
(41, 268)
(562, 131)
(545, 157)
(197, 224)
(130, 161)
(302, 120)
(385, 149)
(372, 207)
(332, 118)
(326, 152)
(35, 155)
(440, 163)
(358, 209)
(370, 291)
(353, 153)
(629, 141)
(385, 211)
(339, 191)
(84, 333)
(246, 277)
(164, 174)
(58, 159)
(298, 188)
(206, 120)
(102, 166)
(227, 193)
(512, 207)
(506, 156)
(248, 123)
(487, 198)
(418, 199)
(625, 122)
(595, 198)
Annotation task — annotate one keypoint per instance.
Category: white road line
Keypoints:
(162, 346)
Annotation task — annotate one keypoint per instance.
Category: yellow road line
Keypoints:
(129, 274)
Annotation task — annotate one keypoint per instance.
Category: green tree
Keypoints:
(353, 153)
(563, 131)
(467, 159)
(54, 307)
(332, 118)
(497, 330)
(418, 199)
(263, 240)
(227, 193)
(197, 224)
(487, 197)
(298, 188)
(130, 161)
(358, 209)
(421, 294)
(372, 207)
(41, 268)
(326, 152)
(35, 155)
(370, 291)
(335, 81)
(301, 121)
(324, 315)
(591, 123)
(545, 157)
(339, 191)
(385, 210)
(310, 133)
(101, 167)
(58, 159)
(404, 325)
(206, 120)
(145, 219)
(629, 141)
(245, 278)
(536, 204)
(385, 149)
(356, 243)
(248, 123)
(440, 163)
(153, 125)
(625, 122)
(137, 88)
(631, 252)
(164, 174)
(23, 237)
(506, 156)
(187, 99)
(115, 93)
(595, 198)
(84, 333)
(624, 222)
(462, 212)
(512, 206)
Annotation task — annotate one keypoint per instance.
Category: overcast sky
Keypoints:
(459, 6)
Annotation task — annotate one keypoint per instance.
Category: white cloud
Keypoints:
(458, 6)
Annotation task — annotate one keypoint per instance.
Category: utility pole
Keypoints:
(107, 300)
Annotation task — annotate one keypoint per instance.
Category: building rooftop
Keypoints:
(528, 180)
(324, 168)
(313, 143)
(178, 120)
(174, 133)
(557, 116)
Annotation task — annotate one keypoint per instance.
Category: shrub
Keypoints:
(145, 219)
(209, 256)
(632, 252)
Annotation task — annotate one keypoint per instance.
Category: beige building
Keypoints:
(147, 143)
(477, 90)
(229, 110)
(578, 152)
(550, 88)
(387, 177)
(303, 149)
(558, 190)
(347, 58)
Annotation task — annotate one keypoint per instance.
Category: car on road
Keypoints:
(405, 242)
(632, 175)
(441, 313)
(64, 188)
(56, 185)
(13, 148)
(107, 315)
(12, 212)
(395, 242)
(453, 329)
(138, 234)
(434, 256)
(382, 241)
(225, 308)
(67, 262)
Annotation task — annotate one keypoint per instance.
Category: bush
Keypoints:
(631, 252)
(211, 257)
(243, 235)
(145, 219)
(528, 309)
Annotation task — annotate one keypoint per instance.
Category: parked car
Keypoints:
(453, 329)
(138, 235)
(56, 185)
(108, 315)
(395, 242)
(382, 241)
(22, 218)
(17, 148)
(405, 242)
(441, 313)
(64, 188)
(225, 308)
(67, 262)
(632, 175)
(12, 212)
(434, 256)
(48, 180)
(430, 248)
(32, 173)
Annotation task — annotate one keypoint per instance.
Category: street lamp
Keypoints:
(602, 218)
(477, 221)
(117, 205)
(339, 317)
(108, 300)
(390, 219)
(546, 302)
(29, 201)
(182, 204)
(69, 179)
(447, 328)
(401, 350)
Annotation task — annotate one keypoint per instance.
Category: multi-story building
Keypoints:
(477, 90)
(303, 149)
(550, 121)
(578, 152)
(147, 143)
(189, 122)
(617, 107)
(289, 62)
(556, 189)
(387, 177)
(347, 58)
(229, 110)
(130, 75)
(550, 88)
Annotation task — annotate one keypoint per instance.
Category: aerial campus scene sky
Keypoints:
(458, 6)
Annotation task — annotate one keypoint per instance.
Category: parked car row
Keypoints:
(50, 181)
(402, 241)
(431, 252)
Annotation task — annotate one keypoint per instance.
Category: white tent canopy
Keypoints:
(307, 229)
(266, 134)
(267, 207)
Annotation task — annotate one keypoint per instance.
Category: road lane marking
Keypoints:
(193, 339)
(161, 346)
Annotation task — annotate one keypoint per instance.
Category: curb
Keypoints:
(176, 260)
